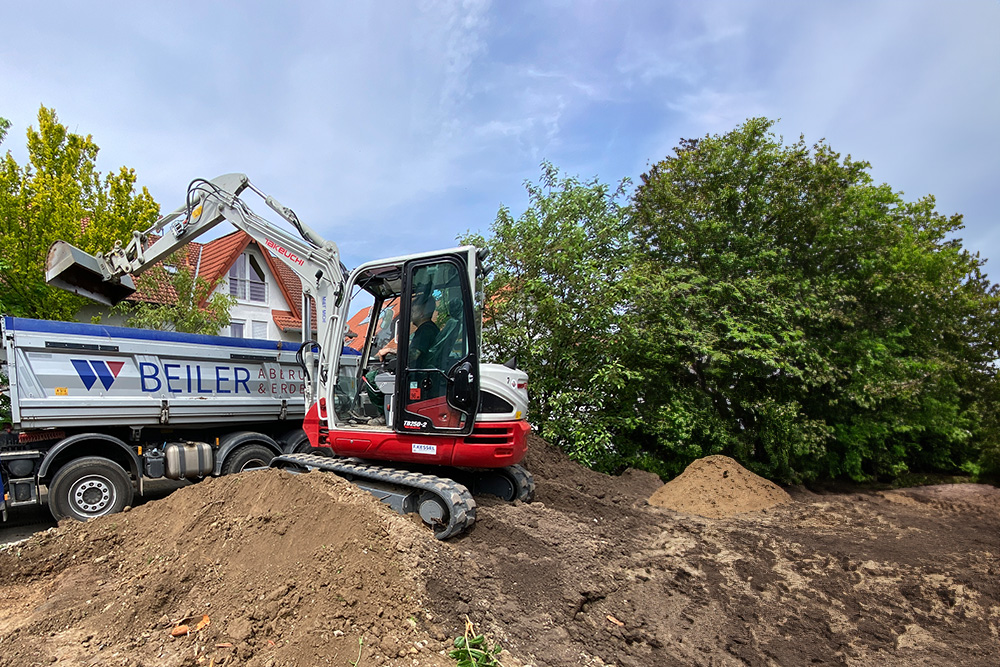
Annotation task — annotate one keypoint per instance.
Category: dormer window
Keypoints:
(246, 279)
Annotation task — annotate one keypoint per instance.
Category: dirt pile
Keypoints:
(717, 487)
(591, 574)
(288, 569)
(306, 570)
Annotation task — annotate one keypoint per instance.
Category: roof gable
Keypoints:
(213, 260)
(220, 255)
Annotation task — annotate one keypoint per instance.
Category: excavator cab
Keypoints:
(437, 383)
(431, 386)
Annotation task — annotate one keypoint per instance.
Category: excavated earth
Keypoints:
(717, 567)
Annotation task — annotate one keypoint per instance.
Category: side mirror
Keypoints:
(461, 387)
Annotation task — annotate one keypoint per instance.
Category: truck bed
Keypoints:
(68, 374)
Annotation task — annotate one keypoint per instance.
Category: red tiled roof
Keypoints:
(161, 291)
(286, 320)
(212, 262)
(359, 325)
(220, 255)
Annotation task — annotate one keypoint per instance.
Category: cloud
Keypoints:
(416, 120)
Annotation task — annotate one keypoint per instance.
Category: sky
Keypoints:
(394, 127)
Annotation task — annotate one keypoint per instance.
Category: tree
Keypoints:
(171, 298)
(761, 300)
(551, 303)
(808, 322)
(60, 194)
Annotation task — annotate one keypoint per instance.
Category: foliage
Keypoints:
(471, 650)
(551, 304)
(59, 194)
(812, 323)
(4, 296)
(175, 299)
(987, 468)
(765, 301)
(361, 646)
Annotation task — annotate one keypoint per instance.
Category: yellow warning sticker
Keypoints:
(62, 391)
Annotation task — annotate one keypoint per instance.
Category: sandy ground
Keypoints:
(272, 569)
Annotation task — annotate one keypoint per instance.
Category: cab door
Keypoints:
(437, 384)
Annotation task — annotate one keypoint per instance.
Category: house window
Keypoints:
(246, 279)
(236, 328)
(259, 330)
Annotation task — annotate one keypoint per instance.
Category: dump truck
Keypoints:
(97, 410)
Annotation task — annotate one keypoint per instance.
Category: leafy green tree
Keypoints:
(761, 300)
(551, 303)
(791, 313)
(60, 194)
(174, 299)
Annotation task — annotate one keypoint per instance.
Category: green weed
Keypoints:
(472, 650)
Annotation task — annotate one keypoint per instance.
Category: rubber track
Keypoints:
(460, 503)
(523, 480)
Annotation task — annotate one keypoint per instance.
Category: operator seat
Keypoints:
(450, 333)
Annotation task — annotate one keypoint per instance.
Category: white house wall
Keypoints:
(248, 312)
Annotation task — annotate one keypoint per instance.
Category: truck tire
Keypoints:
(88, 488)
(294, 442)
(251, 456)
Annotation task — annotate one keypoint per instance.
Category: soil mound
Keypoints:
(306, 570)
(288, 569)
(718, 487)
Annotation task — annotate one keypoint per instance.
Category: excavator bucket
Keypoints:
(74, 270)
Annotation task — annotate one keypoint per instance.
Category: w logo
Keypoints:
(92, 371)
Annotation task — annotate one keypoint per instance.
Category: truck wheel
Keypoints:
(295, 442)
(89, 487)
(244, 458)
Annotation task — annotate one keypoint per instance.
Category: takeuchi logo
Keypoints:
(92, 371)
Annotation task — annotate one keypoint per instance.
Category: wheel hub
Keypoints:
(253, 464)
(93, 495)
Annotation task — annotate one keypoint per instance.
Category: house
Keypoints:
(268, 293)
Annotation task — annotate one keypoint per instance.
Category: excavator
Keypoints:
(425, 427)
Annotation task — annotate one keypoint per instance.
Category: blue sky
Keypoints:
(393, 127)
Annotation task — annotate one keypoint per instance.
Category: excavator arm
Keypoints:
(207, 204)
(107, 277)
